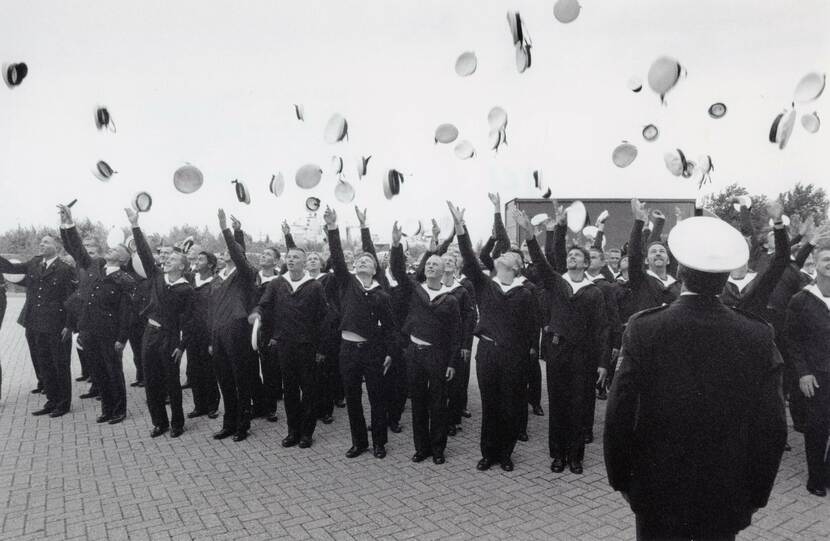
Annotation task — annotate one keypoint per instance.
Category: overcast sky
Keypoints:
(213, 83)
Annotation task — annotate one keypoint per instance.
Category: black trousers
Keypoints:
(532, 387)
(136, 340)
(395, 386)
(202, 376)
(301, 385)
(649, 530)
(232, 358)
(270, 391)
(161, 377)
(566, 376)
(331, 388)
(107, 371)
(359, 361)
(501, 374)
(30, 341)
(53, 358)
(87, 368)
(817, 432)
(426, 368)
(458, 391)
(590, 402)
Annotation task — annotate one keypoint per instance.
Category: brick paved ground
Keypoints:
(71, 478)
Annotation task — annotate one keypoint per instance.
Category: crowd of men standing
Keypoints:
(311, 331)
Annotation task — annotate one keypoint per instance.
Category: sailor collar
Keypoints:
(667, 283)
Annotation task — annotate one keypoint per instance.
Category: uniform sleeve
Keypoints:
(550, 278)
(444, 246)
(237, 253)
(797, 336)
(14, 268)
(289, 241)
(186, 320)
(636, 271)
(368, 246)
(760, 290)
(144, 253)
(471, 268)
(656, 234)
(767, 430)
(74, 246)
(468, 319)
(502, 238)
(336, 259)
(485, 255)
(126, 287)
(397, 265)
(598, 240)
(620, 416)
(267, 301)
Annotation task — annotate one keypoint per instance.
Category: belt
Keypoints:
(488, 339)
(358, 345)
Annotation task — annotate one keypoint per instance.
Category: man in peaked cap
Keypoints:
(695, 425)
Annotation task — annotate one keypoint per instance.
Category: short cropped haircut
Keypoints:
(709, 284)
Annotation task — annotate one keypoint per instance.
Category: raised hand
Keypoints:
(132, 217)
(561, 215)
(523, 222)
(361, 216)
(330, 217)
(223, 220)
(397, 234)
(638, 209)
(457, 213)
(65, 214)
(235, 223)
(657, 215)
(678, 214)
(496, 200)
(286, 229)
(436, 230)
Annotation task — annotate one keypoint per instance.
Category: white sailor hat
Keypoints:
(336, 129)
(811, 122)
(242, 193)
(344, 192)
(277, 184)
(142, 202)
(624, 154)
(103, 171)
(708, 244)
(810, 87)
(392, 183)
(308, 176)
(188, 179)
(577, 216)
(663, 75)
(566, 11)
(466, 64)
(446, 133)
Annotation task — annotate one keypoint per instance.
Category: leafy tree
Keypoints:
(804, 200)
(722, 205)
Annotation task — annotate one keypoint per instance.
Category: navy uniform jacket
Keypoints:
(646, 290)
(695, 425)
(46, 292)
(808, 333)
(2, 300)
(232, 298)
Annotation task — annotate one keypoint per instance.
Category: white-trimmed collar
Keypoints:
(813, 288)
(199, 282)
(109, 269)
(456, 283)
(432, 293)
(743, 282)
(295, 285)
(181, 280)
(265, 279)
(517, 282)
(667, 282)
(372, 286)
(48, 262)
(224, 274)
(576, 286)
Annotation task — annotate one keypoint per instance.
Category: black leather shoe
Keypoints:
(176, 432)
(305, 442)
(193, 414)
(602, 395)
(186, 385)
(466, 414)
(37, 390)
(58, 413)
(117, 419)
(241, 435)
(537, 410)
(340, 403)
(103, 419)
(484, 464)
(576, 466)
(522, 436)
(395, 427)
(355, 452)
(557, 466)
(817, 491)
(272, 417)
(213, 414)
(787, 447)
(42, 411)
(420, 457)
(290, 441)
(158, 431)
(451, 430)
(89, 395)
(137, 384)
(224, 433)
(379, 451)
(507, 464)
(438, 459)
(82, 378)
(588, 438)
(326, 419)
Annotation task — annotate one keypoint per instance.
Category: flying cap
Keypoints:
(363, 166)
(103, 171)
(336, 129)
(784, 220)
(603, 216)
(717, 110)
(702, 170)
(538, 181)
(650, 132)
(277, 184)
(308, 176)
(635, 83)
(724, 249)
(344, 192)
(663, 75)
(566, 11)
(13, 74)
(392, 183)
(115, 237)
(446, 133)
(577, 215)
(782, 128)
(497, 118)
(103, 119)
(811, 122)
(142, 202)
(466, 64)
(539, 219)
(188, 179)
(521, 40)
(242, 193)
(495, 139)
(675, 162)
(464, 150)
(742, 201)
(312, 204)
(624, 154)
(522, 57)
(337, 164)
(299, 111)
(11, 277)
(810, 87)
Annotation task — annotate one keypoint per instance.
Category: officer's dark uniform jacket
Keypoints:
(808, 333)
(46, 292)
(695, 424)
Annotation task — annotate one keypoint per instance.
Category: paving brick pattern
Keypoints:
(70, 478)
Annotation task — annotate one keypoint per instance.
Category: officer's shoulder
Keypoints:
(648, 313)
(750, 317)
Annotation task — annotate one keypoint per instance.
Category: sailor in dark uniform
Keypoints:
(694, 442)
